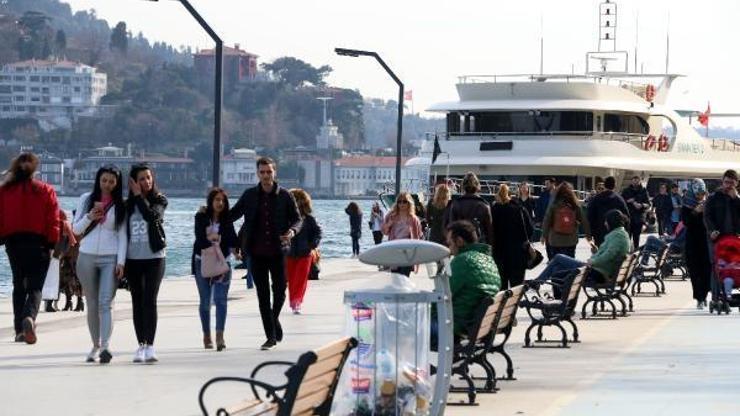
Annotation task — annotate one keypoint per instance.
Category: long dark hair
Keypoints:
(209, 204)
(354, 208)
(117, 193)
(133, 174)
(21, 169)
(566, 195)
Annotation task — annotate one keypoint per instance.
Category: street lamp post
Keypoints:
(399, 129)
(218, 99)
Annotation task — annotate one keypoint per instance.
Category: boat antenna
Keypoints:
(542, 45)
(637, 31)
(667, 41)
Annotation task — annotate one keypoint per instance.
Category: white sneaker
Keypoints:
(93, 355)
(139, 355)
(149, 355)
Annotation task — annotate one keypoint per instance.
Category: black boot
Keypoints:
(49, 306)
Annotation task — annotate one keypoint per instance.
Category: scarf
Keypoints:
(691, 200)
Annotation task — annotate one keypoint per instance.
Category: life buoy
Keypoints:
(662, 143)
(650, 142)
(650, 93)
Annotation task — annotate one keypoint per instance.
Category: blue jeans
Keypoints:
(652, 245)
(560, 263)
(211, 288)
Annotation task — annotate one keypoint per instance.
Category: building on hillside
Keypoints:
(239, 170)
(364, 174)
(53, 92)
(329, 137)
(169, 172)
(238, 66)
(317, 169)
(51, 171)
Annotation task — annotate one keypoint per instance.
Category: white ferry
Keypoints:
(607, 122)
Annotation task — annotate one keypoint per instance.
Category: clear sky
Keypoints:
(429, 43)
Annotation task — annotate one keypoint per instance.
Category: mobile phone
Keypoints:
(98, 205)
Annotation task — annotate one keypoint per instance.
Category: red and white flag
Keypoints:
(704, 117)
(408, 96)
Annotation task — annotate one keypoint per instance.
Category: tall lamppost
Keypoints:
(218, 99)
(399, 130)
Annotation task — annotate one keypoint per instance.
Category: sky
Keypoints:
(429, 43)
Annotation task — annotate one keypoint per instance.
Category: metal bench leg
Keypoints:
(527, 339)
(575, 330)
(564, 335)
(621, 302)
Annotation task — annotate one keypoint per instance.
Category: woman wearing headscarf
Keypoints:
(697, 246)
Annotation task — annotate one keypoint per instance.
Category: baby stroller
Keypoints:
(726, 275)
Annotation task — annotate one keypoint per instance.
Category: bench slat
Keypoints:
(252, 407)
(309, 402)
(323, 367)
(330, 350)
(318, 383)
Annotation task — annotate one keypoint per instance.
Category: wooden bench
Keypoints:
(312, 381)
(472, 349)
(553, 308)
(597, 295)
(647, 273)
(504, 327)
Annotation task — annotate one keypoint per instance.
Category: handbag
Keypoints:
(212, 262)
(50, 290)
(534, 257)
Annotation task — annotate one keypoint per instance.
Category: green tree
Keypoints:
(60, 42)
(296, 73)
(35, 36)
(119, 38)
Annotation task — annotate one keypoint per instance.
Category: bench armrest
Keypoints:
(271, 391)
(269, 363)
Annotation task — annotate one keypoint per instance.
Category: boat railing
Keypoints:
(725, 145)
(643, 141)
(608, 79)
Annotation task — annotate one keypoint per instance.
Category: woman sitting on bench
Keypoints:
(604, 265)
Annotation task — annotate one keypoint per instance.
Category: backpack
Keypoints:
(565, 220)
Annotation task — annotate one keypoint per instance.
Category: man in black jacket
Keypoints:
(472, 207)
(638, 203)
(602, 203)
(663, 204)
(722, 210)
(271, 220)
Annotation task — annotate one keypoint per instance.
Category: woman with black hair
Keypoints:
(102, 255)
(213, 226)
(145, 258)
(355, 226)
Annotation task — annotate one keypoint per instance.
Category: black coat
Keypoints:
(225, 230)
(307, 239)
(512, 227)
(717, 217)
(696, 249)
(152, 209)
(640, 195)
(602, 203)
(286, 216)
(473, 208)
(663, 206)
(355, 223)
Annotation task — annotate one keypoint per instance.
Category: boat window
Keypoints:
(522, 122)
(625, 123)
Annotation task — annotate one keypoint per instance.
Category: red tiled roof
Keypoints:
(369, 161)
(227, 51)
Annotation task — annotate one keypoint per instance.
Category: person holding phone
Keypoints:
(102, 254)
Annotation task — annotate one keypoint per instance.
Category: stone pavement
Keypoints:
(666, 358)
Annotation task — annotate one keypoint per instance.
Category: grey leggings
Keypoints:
(99, 285)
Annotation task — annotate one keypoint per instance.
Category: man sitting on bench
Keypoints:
(603, 265)
(474, 276)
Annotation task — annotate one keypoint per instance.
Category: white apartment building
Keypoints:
(53, 92)
(51, 171)
(239, 169)
(366, 175)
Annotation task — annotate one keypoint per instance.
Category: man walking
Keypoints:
(271, 220)
(472, 207)
(602, 203)
(663, 204)
(638, 202)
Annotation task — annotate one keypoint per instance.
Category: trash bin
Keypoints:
(389, 373)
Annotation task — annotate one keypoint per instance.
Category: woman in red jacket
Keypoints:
(29, 226)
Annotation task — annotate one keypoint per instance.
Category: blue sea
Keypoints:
(330, 214)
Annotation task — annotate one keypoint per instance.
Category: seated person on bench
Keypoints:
(474, 276)
(605, 264)
(653, 245)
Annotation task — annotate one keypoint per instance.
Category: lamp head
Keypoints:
(347, 52)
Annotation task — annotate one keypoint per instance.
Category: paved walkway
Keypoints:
(667, 358)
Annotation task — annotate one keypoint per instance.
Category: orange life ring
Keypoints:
(663, 143)
(650, 93)
(650, 142)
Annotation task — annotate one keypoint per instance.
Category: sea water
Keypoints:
(178, 224)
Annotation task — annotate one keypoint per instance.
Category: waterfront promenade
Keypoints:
(667, 358)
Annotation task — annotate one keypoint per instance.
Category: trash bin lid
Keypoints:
(401, 253)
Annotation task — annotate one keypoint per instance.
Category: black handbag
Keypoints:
(534, 257)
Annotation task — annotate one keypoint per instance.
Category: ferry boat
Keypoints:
(606, 122)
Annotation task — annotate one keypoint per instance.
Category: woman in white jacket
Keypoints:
(100, 220)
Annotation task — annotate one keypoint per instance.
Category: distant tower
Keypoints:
(329, 136)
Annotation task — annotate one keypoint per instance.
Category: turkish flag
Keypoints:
(408, 96)
(704, 117)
